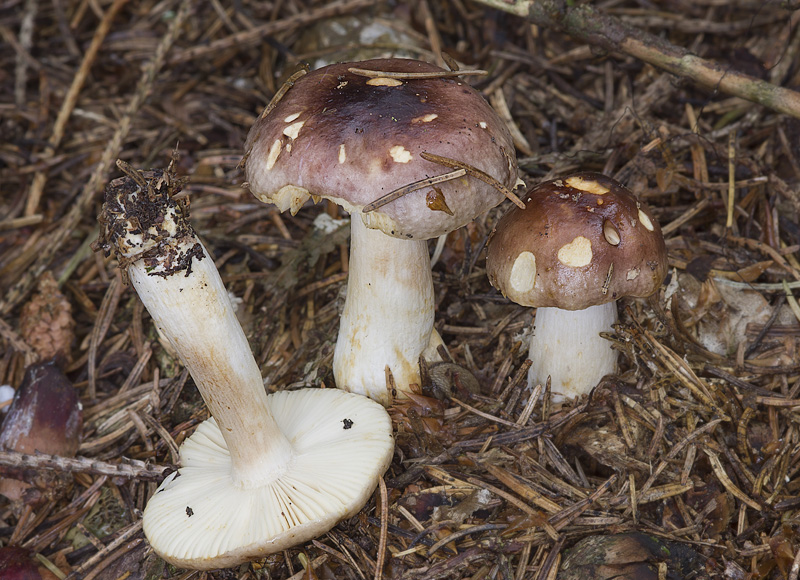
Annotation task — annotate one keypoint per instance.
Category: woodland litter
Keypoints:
(684, 464)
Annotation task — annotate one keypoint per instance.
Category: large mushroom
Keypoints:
(353, 133)
(581, 243)
(265, 472)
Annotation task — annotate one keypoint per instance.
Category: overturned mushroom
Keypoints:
(265, 472)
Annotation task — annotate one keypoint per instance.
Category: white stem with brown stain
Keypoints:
(195, 314)
(388, 314)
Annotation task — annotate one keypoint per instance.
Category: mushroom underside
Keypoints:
(341, 442)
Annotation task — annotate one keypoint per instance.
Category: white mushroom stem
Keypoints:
(249, 486)
(195, 314)
(566, 346)
(266, 472)
(388, 314)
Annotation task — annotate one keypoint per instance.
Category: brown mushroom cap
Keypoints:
(17, 563)
(45, 417)
(353, 139)
(582, 240)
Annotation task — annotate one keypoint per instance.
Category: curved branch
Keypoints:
(592, 26)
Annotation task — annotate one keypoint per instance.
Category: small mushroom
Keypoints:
(265, 472)
(45, 416)
(581, 243)
(353, 139)
(632, 556)
(17, 563)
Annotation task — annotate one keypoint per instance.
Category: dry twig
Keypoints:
(585, 22)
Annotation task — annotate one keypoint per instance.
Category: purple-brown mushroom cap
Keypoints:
(352, 139)
(17, 563)
(582, 240)
(45, 417)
